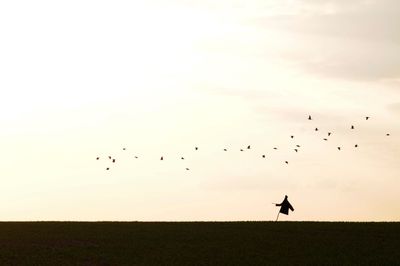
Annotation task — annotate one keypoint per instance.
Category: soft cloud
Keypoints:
(351, 41)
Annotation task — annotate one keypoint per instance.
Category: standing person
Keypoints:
(285, 206)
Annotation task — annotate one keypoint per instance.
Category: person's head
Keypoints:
(285, 196)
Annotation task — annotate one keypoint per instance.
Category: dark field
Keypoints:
(199, 243)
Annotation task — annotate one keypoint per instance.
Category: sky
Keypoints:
(82, 79)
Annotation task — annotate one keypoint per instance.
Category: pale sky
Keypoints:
(81, 79)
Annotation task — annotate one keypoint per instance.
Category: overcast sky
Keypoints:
(82, 79)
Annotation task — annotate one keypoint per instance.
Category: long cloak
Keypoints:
(285, 206)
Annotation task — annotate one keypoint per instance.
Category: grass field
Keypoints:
(199, 243)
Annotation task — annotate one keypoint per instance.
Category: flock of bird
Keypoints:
(339, 148)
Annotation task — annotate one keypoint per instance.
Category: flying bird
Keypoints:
(182, 158)
(275, 148)
(136, 157)
(109, 157)
(338, 148)
(248, 147)
(108, 168)
(296, 150)
(329, 133)
(124, 149)
(325, 139)
(187, 169)
(225, 149)
(298, 146)
(388, 134)
(241, 149)
(286, 162)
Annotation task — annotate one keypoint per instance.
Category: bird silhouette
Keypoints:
(387, 134)
(296, 148)
(187, 169)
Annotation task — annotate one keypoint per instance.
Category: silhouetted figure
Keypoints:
(292, 137)
(248, 147)
(339, 148)
(367, 117)
(285, 206)
(352, 127)
(109, 157)
(329, 133)
(316, 129)
(263, 156)
(296, 150)
(309, 117)
(286, 162)
(196, 148)
(108, 168)
(162, 158)
(97, 158)
(113, 160)
(355, 146)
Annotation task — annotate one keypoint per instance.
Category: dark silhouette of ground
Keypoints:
(199, 243)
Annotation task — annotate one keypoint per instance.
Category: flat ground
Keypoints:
(199, 243)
